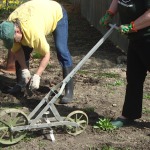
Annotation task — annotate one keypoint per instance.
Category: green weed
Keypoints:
(105, 147)
(146, 111)
(83, 72)
(48, 66)
(117, 83)
(36, 55)
(147, 96)
(104, 124)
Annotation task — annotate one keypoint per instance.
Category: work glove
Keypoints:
(35, 82)
(106, 19)
(127, 28)
(26, 75)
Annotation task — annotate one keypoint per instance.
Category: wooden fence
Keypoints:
(93, 10)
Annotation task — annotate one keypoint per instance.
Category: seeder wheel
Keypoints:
(80, 118)
(11, 118)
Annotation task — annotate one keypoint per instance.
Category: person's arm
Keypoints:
(20, 57)
(43, 63)
(106, 19)
(113, 7)
(143, 21)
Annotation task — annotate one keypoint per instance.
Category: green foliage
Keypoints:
(117, 83)
(104, 124)
(83, 72)
(36, 55)
(108, 75)
(146, 111)
(105, 147)
(7, 6)
(147, 96)
(29, 137)
(48, 66)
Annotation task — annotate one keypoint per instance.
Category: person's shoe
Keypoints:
(14, 90)
(68, 97)
(120, 122)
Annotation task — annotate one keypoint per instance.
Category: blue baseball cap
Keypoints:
(7, 32)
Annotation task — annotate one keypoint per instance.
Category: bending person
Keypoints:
(26, 29)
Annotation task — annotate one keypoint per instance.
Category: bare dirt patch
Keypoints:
(99, 89)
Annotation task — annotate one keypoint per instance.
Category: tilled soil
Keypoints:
(99, 90)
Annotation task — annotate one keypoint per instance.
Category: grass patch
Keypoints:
(48, 66)
(29, 137)
(117, 83)
(108, 75)
(107, 147)
(36, 55)
(83, 72)
(146, 110)
(147, 96)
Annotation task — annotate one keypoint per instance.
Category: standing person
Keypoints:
(26, 29)
(135, 20)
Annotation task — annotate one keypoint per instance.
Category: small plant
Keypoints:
(36, 55)
(41, 144)
(147, 96)
(28, 137)
(117, 83)
(48, 66)
(104, 124)
(146, 111)
(93, 148)
(105, 147)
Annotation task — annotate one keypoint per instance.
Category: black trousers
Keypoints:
(138, 63)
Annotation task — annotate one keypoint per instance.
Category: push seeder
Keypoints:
(14, 123)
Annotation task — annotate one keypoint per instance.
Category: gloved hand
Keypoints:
(35, 82)
(127, 28)
(106, 19)
(26, 75)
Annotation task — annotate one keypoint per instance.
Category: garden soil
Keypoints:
(99, 91)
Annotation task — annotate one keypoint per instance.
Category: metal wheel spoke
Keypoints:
(11, 118)
(4, 133)
(11, 136)
(80, 118)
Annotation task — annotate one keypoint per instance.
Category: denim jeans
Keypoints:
(61, 41)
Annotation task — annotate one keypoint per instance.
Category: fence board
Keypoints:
(93, 10)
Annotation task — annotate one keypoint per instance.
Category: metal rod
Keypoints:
(89, 54)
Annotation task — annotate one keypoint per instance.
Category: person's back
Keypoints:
(37, 18)
(39, 14)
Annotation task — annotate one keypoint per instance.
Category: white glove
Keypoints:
(35, 82)
(26, 75)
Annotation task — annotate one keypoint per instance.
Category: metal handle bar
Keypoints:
(116, 27)
(90, 53)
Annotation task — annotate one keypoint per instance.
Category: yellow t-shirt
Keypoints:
(38, 18)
